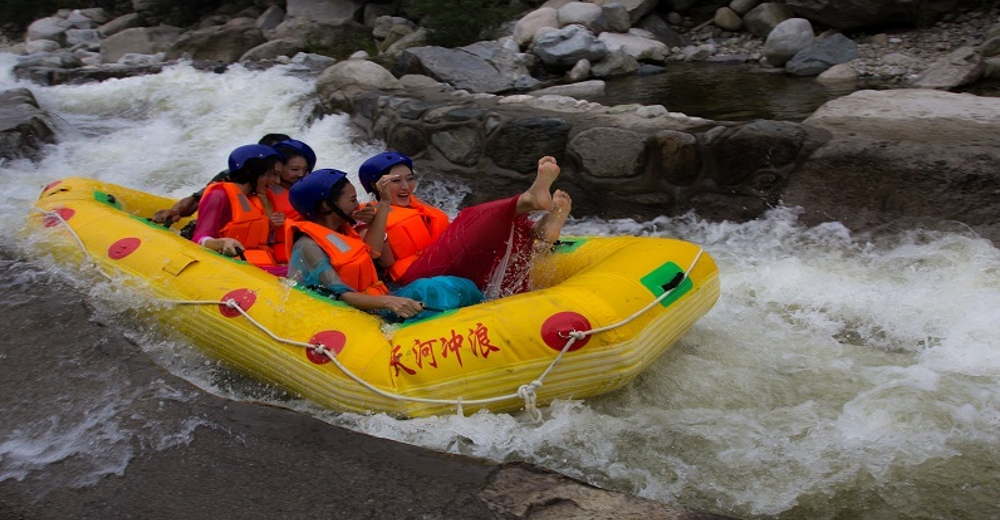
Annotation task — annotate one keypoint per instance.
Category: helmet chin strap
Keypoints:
(340, 213)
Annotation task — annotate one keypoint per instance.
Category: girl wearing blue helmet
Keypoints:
(231, 217)
(490, 244)
(299, 161)
(328, 254)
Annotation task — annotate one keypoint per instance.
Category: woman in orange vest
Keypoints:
(490, 244)
(299, 161)
(231, 217)
(327, 253)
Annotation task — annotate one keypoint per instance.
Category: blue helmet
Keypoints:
(314, 188)
(300, 148)
(377, 166)
(239, 157)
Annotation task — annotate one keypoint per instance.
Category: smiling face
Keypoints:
(401, 188)
(269, 178)
(294, 170)
(346, 201)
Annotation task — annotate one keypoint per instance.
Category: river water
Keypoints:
(839, 376)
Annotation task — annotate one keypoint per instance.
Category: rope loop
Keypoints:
(527, 393)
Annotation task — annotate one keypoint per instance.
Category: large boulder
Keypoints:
(961, 67)
(529, 24)
(340, 83)
(482, 67)
(562, 48)
(761, 20)
(821, 55)
(139, 40)
(905, 153)
(787, 39)
(222, 43)
(856, 14)
(24, 127)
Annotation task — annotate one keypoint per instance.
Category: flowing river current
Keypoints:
(839, 376)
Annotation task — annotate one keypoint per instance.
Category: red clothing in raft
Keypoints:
(474, 245)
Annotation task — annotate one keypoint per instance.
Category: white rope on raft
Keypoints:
(526, 392)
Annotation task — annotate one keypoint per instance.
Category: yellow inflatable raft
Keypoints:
(604, 309)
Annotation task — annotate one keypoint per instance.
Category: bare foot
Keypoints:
(538, 197)
(552, 222)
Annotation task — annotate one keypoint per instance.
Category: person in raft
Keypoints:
(299, 161)
(490, 243)
(327, 253)
(186, 207)
(231, 216)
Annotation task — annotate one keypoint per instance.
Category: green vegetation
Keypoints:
(454, 23)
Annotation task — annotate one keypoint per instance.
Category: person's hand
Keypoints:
(404, 307)
(277, 219)
(230, 246)
(167, 217)
(384, 185)
(364, 214)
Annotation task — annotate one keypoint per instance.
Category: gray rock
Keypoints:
(340, 83)
(618, 63)
(273, 49)
(614, 18)
(727, 19)
(518, 144)
(458, 67)
(270, 19)
(662, 31)
(529, 24)
(609, 153)
(139, 40)
(461, 145)
(562, 48)
(903, 153)
(225, 43)
(742, 7)
(856, 14)
(761, 20)
(125, 21)
(787, 39)
(821, 55)
(79, 36)
(583, 89)
(582, 13)
(990, 47)
(24, 127)
(50, 28)
(961, 67)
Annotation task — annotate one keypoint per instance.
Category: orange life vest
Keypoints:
(278, 195)
(411, 230)
(248, 224)
(349, 255)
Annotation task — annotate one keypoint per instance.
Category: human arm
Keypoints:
(375, 235)
(310, 266)
(182, 208)
(213, 213)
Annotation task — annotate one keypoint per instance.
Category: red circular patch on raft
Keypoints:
(245, 298)
(65, 213)
(123, 248)
(331, 339)
(556, 329)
